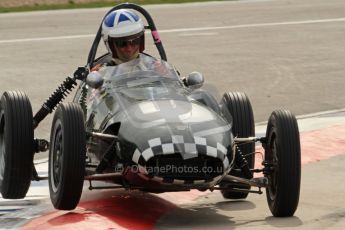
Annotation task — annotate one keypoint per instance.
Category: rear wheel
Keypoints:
(242, 118)
(16, 145)
(67, 156)
(283, 156)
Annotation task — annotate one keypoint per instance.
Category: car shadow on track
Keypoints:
(203, 216)
(138, 210)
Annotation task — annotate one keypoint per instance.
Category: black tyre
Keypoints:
(243, 125)
(283, 155)
(67, 156)
(16, 145)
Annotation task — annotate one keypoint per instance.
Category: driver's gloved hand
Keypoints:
(81, 73)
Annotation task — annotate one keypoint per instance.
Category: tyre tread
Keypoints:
(19, 145)
(289, 156)
(238, 104)
(68, 195)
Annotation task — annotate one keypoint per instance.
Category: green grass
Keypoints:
(73, 5)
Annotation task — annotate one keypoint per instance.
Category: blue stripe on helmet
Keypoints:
(109, 20)
(123, 18)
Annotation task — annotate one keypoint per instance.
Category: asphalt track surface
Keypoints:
(283, 54)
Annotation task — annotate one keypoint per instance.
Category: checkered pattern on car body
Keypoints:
(187, 148)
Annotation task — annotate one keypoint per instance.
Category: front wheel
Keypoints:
(16, 145)
(283, 157)
(67, 156)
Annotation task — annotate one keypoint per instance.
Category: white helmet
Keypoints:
(120, 25)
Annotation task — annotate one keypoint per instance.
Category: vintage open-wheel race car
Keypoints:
(147, 129)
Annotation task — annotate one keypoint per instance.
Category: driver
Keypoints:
(123, 35)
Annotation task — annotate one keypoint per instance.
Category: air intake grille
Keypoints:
(175, 167)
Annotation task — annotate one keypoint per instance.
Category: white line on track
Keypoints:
(255, 25)
(46, 38)
(197, 34)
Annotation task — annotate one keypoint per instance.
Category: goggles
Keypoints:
(125, 43)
